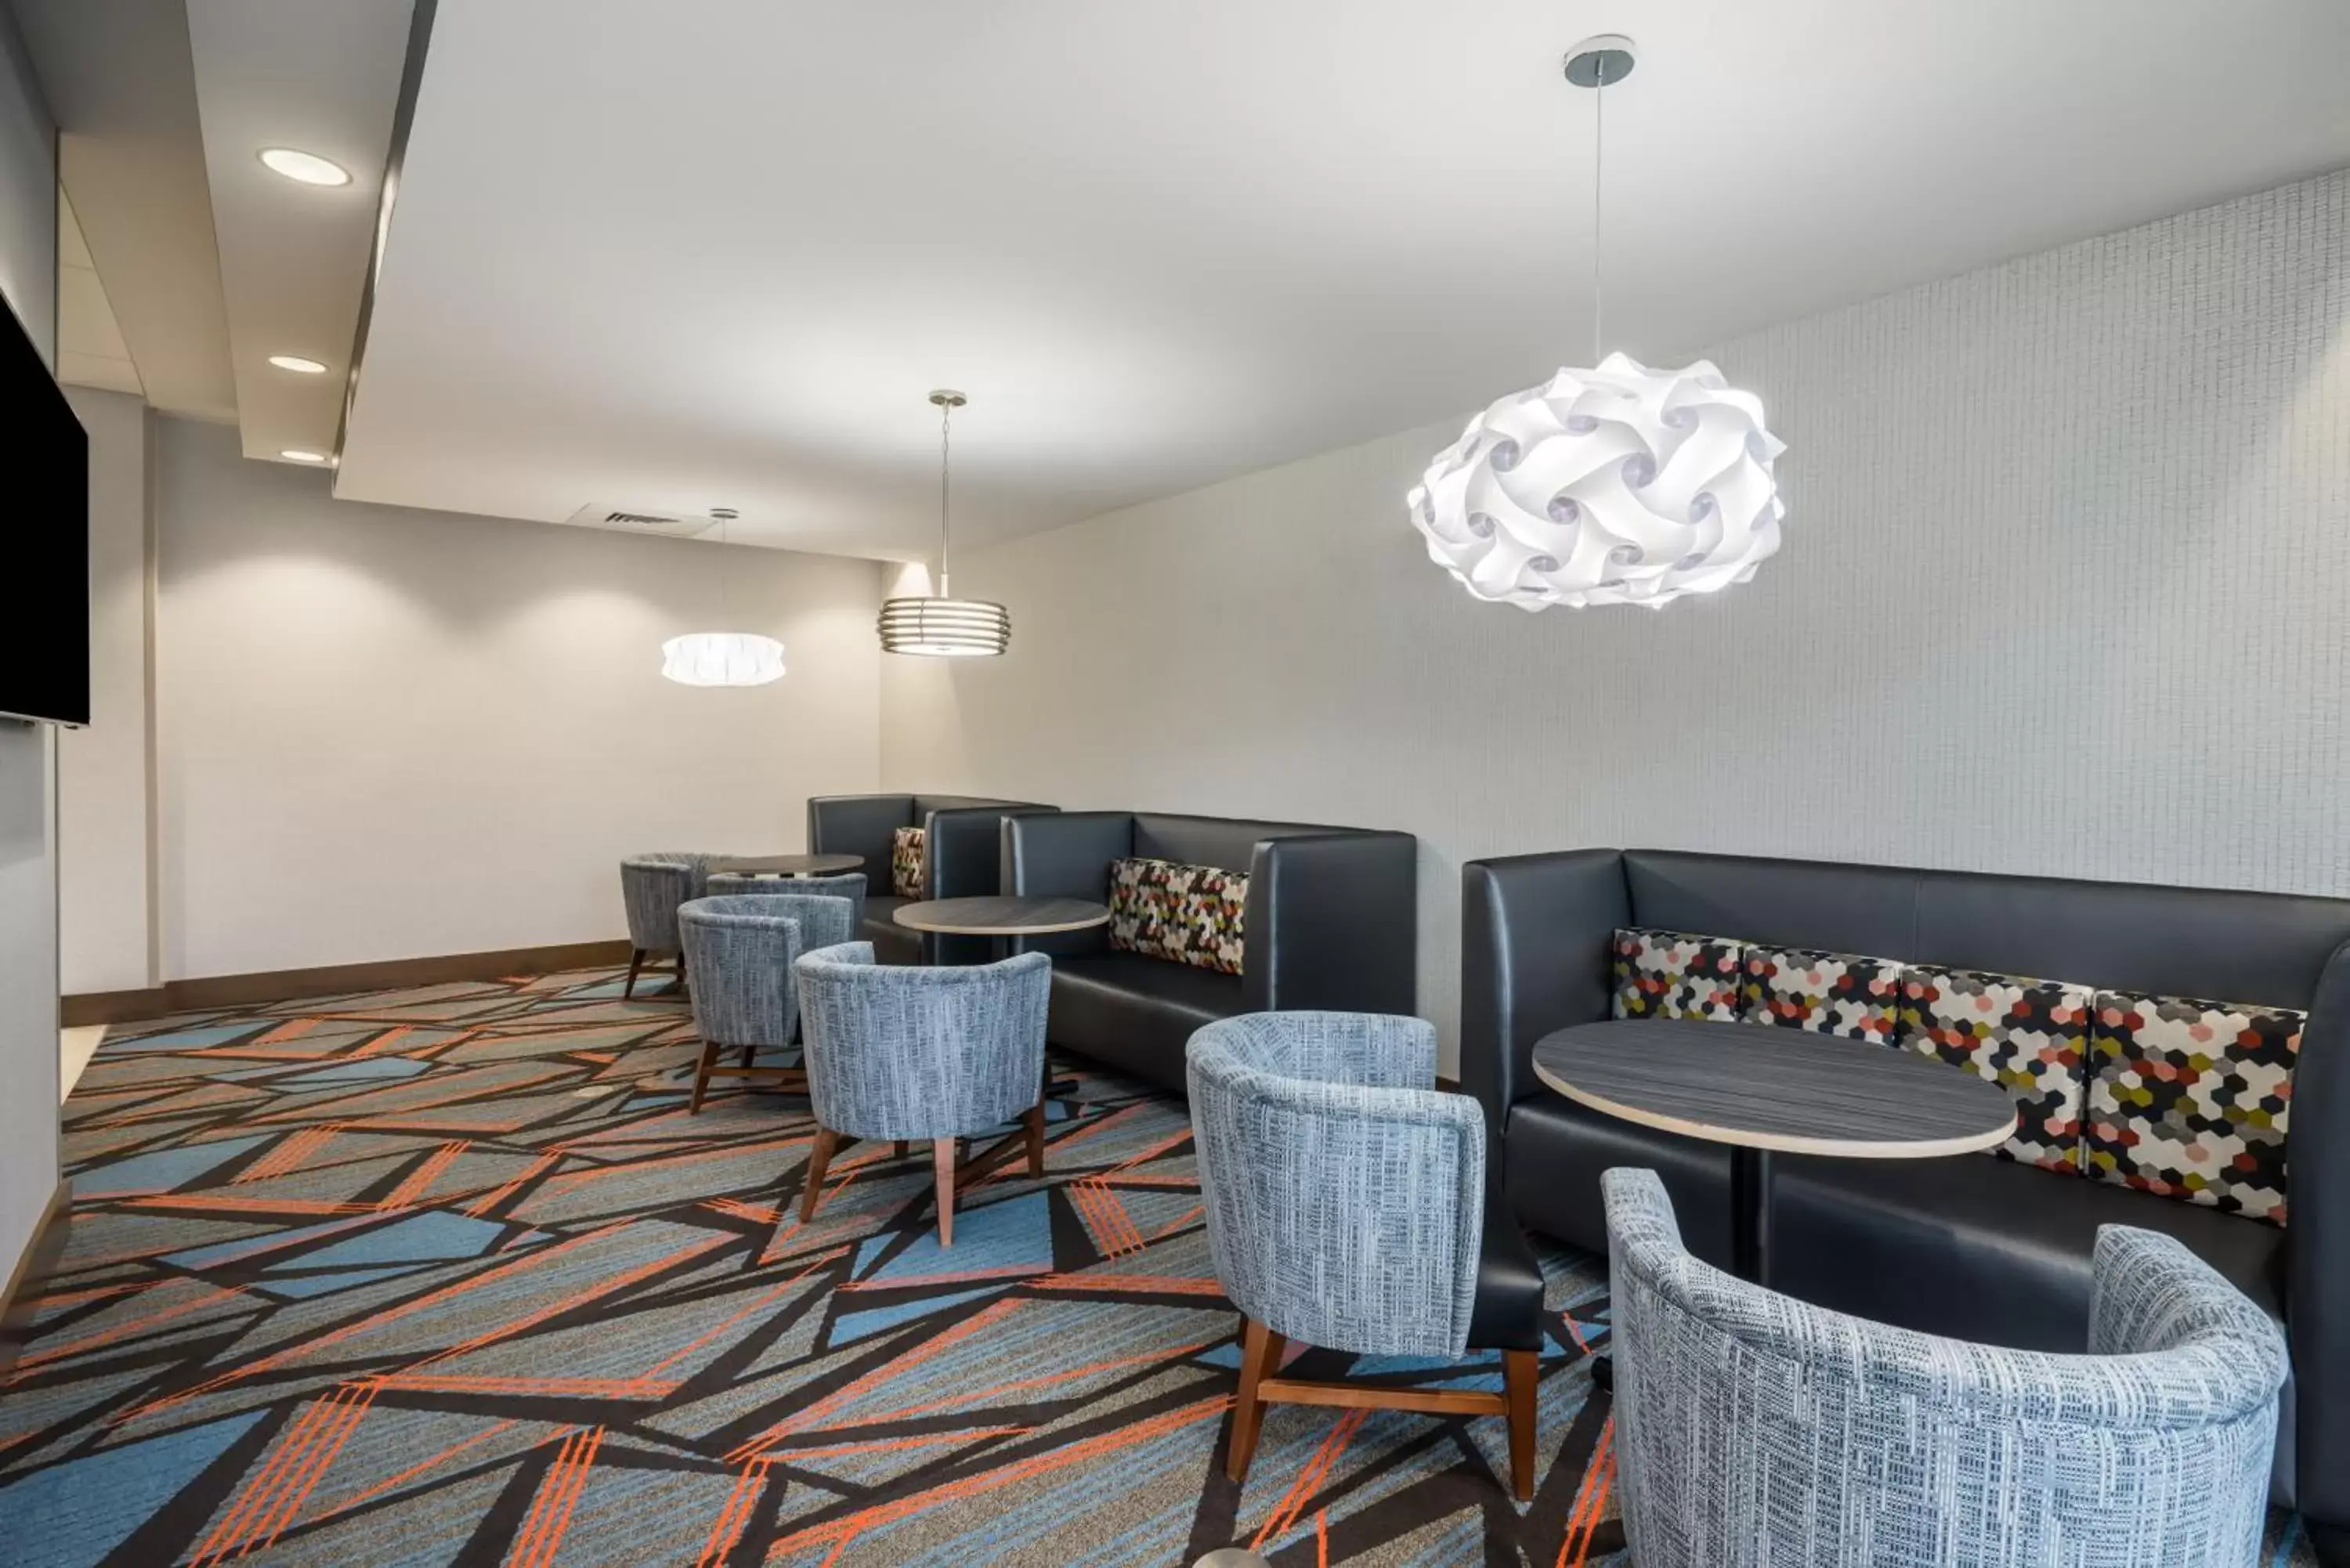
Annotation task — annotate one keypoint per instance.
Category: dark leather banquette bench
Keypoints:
(2148, 1033)
(1212, 916)
(915, 847)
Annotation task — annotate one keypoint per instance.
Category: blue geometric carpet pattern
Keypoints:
(449, 1276)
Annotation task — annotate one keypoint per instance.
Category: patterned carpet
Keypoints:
(449, 1276)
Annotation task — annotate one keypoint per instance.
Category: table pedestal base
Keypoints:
(1750, 1214)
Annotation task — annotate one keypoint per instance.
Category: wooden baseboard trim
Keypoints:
(292, 984)
(41, 1254)
(114, 1006)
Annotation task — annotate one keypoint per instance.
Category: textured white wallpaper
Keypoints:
(2066, 590)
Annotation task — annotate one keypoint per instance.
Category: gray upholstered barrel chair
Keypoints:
(652, 886)
(1755, 1430)
(739, 952)
(735, 885)
(942, 1054)
(1348, 1208)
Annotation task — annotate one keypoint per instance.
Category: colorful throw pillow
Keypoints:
(1190, 914)
(1675, 974)
(1827, 994)
(906, 862)
(2028, 1036)
(2191, 1098)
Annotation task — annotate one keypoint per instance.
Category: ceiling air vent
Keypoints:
(622, 521)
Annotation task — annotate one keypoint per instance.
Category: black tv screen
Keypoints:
(44, 614)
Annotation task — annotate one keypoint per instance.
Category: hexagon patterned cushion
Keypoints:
(1189, 914)
(906, 862)
(2028, 1036)
(1674, 974)
(2191, 1099)
(1828, 993)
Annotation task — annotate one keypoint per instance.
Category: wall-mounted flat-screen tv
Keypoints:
(44, 541)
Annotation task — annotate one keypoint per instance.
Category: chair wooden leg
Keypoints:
(636, 964)
(1518, 1372)
(1034, 1121)
(821, 1155)
(1260, 1351)
(750, 1054)
(898, 1149)
(701, 1075)
(943, 1157)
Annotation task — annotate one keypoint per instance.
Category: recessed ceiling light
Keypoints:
(307, 167)
(298, 364)
(295, 454)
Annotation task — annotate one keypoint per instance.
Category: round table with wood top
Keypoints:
(1762, 1089)
(783, 864)
(1002, 917)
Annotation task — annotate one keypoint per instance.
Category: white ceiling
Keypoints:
(704, 252)
(199, 263)
(91, 351)
(714, 253)
(117, 79)
(322, 77)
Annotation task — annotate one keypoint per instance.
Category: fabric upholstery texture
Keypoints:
(1827, 994)
(733, 885)
(897, 1052)
(1345, 1194)
(738, 961)
(906, 862)
(1755, 1430)
(1190, 914)
(651, 888)
(1675, 974)
(2191, 1099)
(2028, 1036)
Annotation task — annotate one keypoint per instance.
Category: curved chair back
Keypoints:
(734, 885)
(1345, 1195)
(895, 1052)
(697, 862)
(738, 961)
(1752, 1428)
(651, 889)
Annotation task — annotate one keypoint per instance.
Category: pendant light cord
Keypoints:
(946, 454)
(1599, 165)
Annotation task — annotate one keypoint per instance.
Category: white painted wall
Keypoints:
(105, 919)
(28, 911)
(2066, 589)
(385, 734)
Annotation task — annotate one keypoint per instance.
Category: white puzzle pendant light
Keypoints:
(1620, 484)
(722, 657)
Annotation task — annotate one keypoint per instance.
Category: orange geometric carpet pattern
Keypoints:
(449, 1276)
